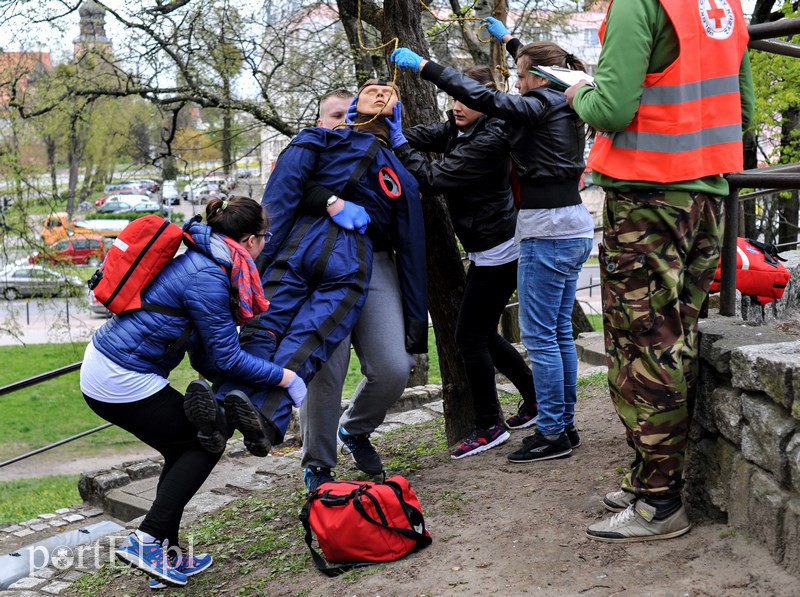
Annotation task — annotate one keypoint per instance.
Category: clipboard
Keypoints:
(563, 77)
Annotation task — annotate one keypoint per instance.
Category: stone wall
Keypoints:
(743, 464)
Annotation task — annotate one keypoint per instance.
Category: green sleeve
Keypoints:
(624, 61)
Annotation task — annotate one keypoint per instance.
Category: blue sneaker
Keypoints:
(314, 476)
(151, 559)
(187, 565)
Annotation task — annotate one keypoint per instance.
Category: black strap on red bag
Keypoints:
(355, 499)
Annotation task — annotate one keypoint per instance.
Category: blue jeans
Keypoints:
(547, 280)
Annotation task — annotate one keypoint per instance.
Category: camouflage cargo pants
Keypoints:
(659, 253)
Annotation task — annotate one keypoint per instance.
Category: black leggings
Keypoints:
(482, 349)
(159, 421)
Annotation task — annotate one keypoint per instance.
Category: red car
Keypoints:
(76, 250)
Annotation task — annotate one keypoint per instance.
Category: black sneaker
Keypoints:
(242, 415)
(203, 412)
(361, 450)
(573, 435)
(314, 476)
(538, 447)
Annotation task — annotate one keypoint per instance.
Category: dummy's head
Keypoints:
(376, 97)
(333, 108)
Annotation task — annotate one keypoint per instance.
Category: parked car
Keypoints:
(75, 250)
(126, 185)
(148, 183)
(148, 205)
(169, 193)
(34, 280)
(110, 207)
(200, 190)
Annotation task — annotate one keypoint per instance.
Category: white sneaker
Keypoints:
(617, 501)
(637, 523)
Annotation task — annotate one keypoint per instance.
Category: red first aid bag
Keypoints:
(361, 523)
(138, 254)
(759, 272)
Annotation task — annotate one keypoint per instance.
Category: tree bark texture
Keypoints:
(445, 271)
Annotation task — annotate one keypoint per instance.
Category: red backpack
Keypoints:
(139, 253)
(359, 523)
(759, 272)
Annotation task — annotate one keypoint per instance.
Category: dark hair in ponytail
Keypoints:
(236, 217)
(548, 53)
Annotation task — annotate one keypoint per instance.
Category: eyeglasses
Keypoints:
(265, 235)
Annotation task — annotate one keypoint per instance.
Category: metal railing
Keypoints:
(774, 178)
(32, 381)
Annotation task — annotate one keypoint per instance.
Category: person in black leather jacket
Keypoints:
(554, 228)
(473, 175)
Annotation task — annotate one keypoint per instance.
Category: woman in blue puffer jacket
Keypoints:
(208, 291)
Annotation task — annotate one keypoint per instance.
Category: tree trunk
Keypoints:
(227, 126)
(475, 48)
(73, 162)
(50, 145)
(445, 271)
(361, 58)
(498, 57)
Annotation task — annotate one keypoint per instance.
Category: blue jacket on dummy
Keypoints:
(195, 283)
(317, 274)
(328, 157)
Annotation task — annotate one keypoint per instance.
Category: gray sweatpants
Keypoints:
(379, 342)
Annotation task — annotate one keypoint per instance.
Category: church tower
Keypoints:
(92, 31)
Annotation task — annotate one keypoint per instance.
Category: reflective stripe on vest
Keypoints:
(663, 143)
(691, 111)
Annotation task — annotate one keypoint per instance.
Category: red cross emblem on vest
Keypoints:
(716, 14)
(717, 18)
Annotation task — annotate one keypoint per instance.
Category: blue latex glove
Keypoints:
(297, 391)
(495, 28)
(352, 217)
(352, 112)
(405, 58)
(395, 122)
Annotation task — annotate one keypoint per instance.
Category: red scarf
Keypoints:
(247, 282)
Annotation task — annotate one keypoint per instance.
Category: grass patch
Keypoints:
(27, 498)
(402, 452)
(593, 385)
(254, 541)
(596, 320)
(49, 411)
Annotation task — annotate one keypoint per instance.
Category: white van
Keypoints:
(169, 193)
